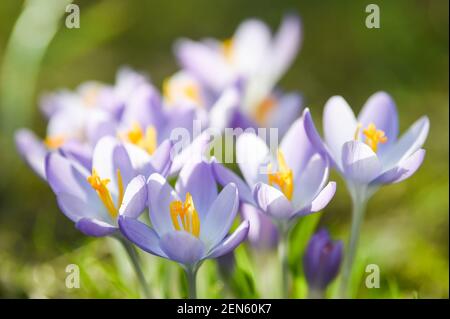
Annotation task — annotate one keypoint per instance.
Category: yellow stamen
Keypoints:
(100, 186)
(53, 142)
(187, 214)
(283, 178)
(374, 136)
(227, 47)
(189, 89)
(90, 96)
(263, 109)
(147, 141)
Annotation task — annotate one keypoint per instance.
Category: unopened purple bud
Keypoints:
(322, 260)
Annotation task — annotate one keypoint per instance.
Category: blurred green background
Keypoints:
(406, 228)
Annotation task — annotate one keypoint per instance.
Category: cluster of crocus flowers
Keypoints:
(109, 155)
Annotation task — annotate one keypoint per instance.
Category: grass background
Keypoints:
(406, 228)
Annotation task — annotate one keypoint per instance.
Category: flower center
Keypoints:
(187, 88)
(55, 141)
(373, 136)
(147, 141)
(90, 96)
(100, 186)
(283, 177)
(184, 216)
(263, 109)
(227, 47)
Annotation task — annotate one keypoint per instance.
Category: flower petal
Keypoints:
(141, 235)
(32, 150)
(220, 216)
(161, 158)
(339, 126)
(135, 198)
(360, 163)
(287, 108)
(403, 170)
(95, 227)
(251, 153)
(182, 247)
(408, 144)
(251, 43)
(380, 110)
(296, 147)
(231, 241)
(110, 156)
(285, 46)
(67, 176)
(225, 176)
(198, 180)
(160, 195)
(262, 233)
(310, 181)
(319, 202)
(272, 202)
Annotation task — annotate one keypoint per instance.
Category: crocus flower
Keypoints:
(366, 150)
(289, 184)
(190, 223)
(76, 120)
(252, 62)
(116, 186)
(321, 262)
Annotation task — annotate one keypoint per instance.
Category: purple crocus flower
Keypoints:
(77, 119)
(289, 184)
(116, 186)
(251, 63)
(365, 150)
(189, 223)
(321, 262)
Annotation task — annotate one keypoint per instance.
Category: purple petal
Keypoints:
(315, 138)
(160, 195)
(285, 46)
(204, 62)
(262, 233)
(66, 176)
(220, 216)
(81, 153)
(360, 163)
(310, 181)
(272, 202)
(403, 170)
(296, 147)
(182, 247)
(231, 241)
(32, 150)
(135, 198)
(380, 110)
(193, 153)
(109, 157)
(408, 144)
(251, 153)
(161, 158)
(141, 235)
(339, 125)
(198, 180)
(319, 202)
(94, 227)
(225, 176)
(288, 108)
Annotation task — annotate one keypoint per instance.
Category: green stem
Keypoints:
(134, 258)
(316, 294)
(359, 204)
(191, 275)
(283, 256)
